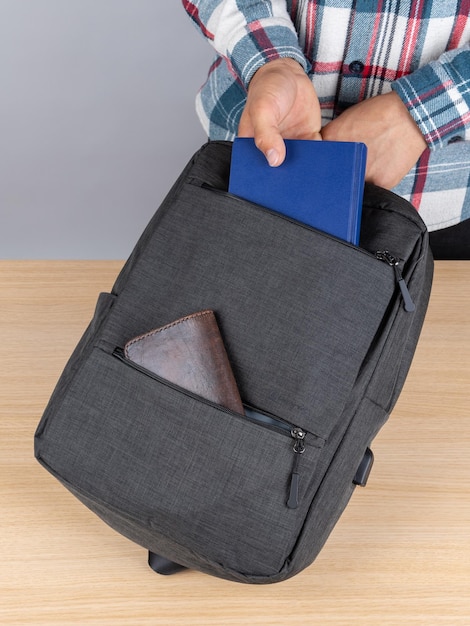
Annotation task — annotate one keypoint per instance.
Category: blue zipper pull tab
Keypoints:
(385, 255)
(299, 448)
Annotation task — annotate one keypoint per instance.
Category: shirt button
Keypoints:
(356, 67)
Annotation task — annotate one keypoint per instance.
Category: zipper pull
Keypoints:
(386, 256)
(299, 448)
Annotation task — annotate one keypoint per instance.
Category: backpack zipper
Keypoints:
(387, 257)
(270, 422)
(381, 255)
(299, 448)
(298, 435)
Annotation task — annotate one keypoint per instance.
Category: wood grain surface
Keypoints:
(400, 554)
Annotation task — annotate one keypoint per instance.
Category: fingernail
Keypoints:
(272, 156)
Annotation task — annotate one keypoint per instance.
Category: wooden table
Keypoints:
(399, 555)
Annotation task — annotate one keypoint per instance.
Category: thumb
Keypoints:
(267, 139)
(272, 145)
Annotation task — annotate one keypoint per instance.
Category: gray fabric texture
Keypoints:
(317, 336)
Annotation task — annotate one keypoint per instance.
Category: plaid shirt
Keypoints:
(353, 50)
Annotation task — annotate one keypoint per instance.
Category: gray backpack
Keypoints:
(319, 335)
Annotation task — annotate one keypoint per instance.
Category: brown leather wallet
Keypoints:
(190, 353)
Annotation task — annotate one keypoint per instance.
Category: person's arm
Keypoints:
(425, 109)
(437, 97)
(260, 45)
(246, 33)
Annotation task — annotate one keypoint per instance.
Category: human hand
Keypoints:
(393, 139)
(281, 103)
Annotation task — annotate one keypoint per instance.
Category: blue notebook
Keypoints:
(321, 183)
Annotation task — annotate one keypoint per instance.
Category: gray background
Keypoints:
(96, 121)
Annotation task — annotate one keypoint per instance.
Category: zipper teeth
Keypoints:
(283, 430)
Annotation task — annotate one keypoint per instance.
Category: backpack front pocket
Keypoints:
(297, 309)
(203, 476)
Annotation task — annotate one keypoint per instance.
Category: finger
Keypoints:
(268, 138)
(272, 145)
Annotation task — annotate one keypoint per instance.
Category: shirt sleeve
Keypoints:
(247, 33)
(437, 96)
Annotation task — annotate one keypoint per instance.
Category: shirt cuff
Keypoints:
(437, 97)
(263, 41)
